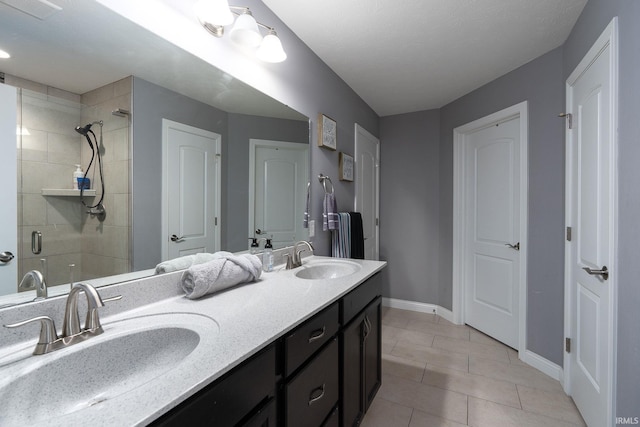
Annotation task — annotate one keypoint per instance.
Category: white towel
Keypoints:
(330, 213)
(219, 274)
(184, 262)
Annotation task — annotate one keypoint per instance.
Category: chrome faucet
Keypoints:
(34, 279)
(71, 325)
(293, 259)
(71, 332)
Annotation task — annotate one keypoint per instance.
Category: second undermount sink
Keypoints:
(128, 355)
(333, 269)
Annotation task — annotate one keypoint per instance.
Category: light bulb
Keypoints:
(215, 12)
(271, 48)
(245, 31)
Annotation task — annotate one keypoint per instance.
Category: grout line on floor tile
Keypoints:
(519, 398)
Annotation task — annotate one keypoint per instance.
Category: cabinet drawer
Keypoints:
(307, 338)
(333, 420)
(355, 301)
(311, 394)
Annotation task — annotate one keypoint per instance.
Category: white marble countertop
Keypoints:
(248, 318)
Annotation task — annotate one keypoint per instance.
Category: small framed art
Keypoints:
(346, 167)
(327, 130)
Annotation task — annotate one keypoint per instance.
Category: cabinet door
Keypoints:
(351, 372)
(372, 352)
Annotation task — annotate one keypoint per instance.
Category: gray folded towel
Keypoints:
(184, 262)
(330, 213)
(219, 274)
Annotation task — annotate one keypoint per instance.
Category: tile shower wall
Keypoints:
(49, 148)
(106, 245)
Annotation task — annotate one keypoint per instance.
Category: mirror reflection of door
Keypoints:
(8, 178)
(277, 190)
(190, 189)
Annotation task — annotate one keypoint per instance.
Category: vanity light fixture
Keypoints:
(214, 15)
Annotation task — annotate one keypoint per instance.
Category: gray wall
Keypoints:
(595, 17)
(540, 83)
(409, 205)
(241, 129)
(417, 160)
(152, 103)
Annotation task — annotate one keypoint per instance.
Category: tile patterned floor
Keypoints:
(437, 374)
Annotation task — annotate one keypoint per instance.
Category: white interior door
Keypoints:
(591, 100)
(278, 190)
(367, 180)
(492, 259)
(8, 178)
(191, 190)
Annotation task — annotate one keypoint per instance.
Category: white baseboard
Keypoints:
(420, 307)
(530, 358)
(543, 365)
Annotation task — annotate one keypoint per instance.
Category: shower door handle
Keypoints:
(6, 257)
(36, 242)
(176, 239)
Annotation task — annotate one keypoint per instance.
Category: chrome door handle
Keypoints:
(516, 246)
(176, 239)
(604, 272)
(6, 256)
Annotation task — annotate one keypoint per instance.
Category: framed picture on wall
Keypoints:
(346, 167)
(327, 131)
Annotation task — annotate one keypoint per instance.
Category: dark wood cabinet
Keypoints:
(245, 396)
(361, 363)
(323, 373)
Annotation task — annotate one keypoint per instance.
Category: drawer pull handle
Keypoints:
(317, 334)
(316, 394)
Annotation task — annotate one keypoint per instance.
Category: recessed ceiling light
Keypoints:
(4, 55)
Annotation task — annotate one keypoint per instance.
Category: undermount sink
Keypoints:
(129, 354)
(334, 269)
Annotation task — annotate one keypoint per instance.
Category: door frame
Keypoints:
(609, 37)
(166, 124)
(459, 210)
(359, 130)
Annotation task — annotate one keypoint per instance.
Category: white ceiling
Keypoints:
(410, 55)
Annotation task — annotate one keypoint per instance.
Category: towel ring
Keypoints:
(323, 179)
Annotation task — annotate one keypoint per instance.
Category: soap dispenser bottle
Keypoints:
(77, 174)
(254, 248)
(267, 256)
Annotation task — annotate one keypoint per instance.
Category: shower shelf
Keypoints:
(67, 192)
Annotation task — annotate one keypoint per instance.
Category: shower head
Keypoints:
(84, 129)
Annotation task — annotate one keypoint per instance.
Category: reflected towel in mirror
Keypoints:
(219, 274)
(184, 262)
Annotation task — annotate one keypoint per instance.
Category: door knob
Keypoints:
(604, 272)
(6, 256)
(516, 246)
(176, 239)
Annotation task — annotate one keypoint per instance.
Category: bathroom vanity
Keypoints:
(298, 347)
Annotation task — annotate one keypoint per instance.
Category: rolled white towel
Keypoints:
(219, 274)
(184, 262)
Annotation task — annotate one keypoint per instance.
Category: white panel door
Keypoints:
(591, 214)
(492, 192)
(278, 190)
(191, 190)
(8, 178)
(367, 181)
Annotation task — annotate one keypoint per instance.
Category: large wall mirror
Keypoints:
(84, 64)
